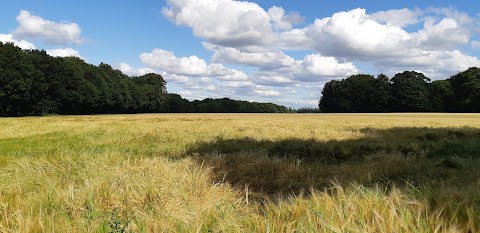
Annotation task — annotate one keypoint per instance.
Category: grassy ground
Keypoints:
(241, 173)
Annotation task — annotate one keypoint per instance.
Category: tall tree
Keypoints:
(16, 81)
(333, 97)
(152, 93)
(33, 82)
(178, 104)
(357, 93)
(441, 96)
(466, 86)
(410, 92)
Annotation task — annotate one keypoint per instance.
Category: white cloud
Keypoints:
(448, 12)
(176, 78)
(273, 79)
(399, 18)
(34, 27)
(20, 43)
(238, 24)
(211, 88)
(66, 52)
(186, 93)
(277, 67)
(434, 64)
(131, 71)
(192, 66)
(313, 68)
(299, 103)
(267, 92)
(167, 61)
(318, 65)
(475, 44)
(263, 60)
(449, 63)
(192, 96)
(244, 34)
(238, 84)
(216, 69)
(236, 76)
(446, 34)
(223, 22)
(281, 21)
(359, 36)
(355, 35)
(296, 39)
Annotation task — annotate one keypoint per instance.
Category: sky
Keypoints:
(279, 51)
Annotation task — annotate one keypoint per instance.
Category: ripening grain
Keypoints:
(240, 173)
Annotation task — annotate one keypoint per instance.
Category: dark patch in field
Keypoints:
(417, 156)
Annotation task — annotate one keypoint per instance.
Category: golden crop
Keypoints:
(240, 173)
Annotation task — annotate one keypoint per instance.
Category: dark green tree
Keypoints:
(17, 76)
(33, 83)
(151, 92)
(177, 104)
(332, 99)
(410, 92)
(441, 96)
(466, 86)
(357, 93)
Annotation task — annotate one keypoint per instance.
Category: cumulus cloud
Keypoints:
(449, 12)
(435, 65)
(236, 76)
(276, 66)
(380, 40)
(224, 22)
(131, 71)
(8, 38)
(237, 23)
(267, 92)
(167, 61)
(263, 60)
(355, 35)
(303, 102)
(318, 65)
(273, 79)
(65, 52)
(313, 68)
(281, 21)
(239, 84)
(398, 17)
(192, 66)
(176, 78)
(35, 27)
(244, 34)
(192, 96)
(475, 44)
(446, 34)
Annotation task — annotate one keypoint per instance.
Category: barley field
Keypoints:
(241, 173)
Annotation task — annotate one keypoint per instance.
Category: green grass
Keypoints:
(241, 173)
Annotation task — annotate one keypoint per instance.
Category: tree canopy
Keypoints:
(35, 83)
(408, 91)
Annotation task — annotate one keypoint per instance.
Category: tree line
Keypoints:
(224, 105)
(409, 91)
(35, 83)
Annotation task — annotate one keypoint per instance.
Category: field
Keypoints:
(241, 173)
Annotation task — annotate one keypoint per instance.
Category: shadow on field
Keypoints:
(418, 156)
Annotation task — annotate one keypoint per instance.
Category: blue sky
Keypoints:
(279, 51)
